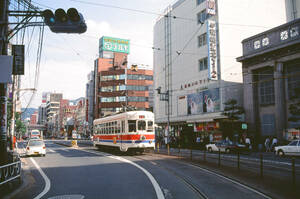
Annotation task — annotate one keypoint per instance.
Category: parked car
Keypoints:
(226, 146)
(36, 147)
(293, 148)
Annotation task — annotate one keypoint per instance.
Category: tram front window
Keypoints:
(141, 125)
(150, 126)
(131, 125)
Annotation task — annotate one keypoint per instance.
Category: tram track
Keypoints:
(217, 175)
(187, 182)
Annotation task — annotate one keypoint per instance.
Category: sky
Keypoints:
(68, 58)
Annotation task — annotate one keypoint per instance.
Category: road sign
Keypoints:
(18, 63)
(244, 126)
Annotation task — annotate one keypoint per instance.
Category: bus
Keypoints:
(133, 130)
(35, 134)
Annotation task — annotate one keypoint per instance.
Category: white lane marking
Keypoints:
(68, 197)
(156, 186)
(47, 181)
(233, 181)
(51, 150)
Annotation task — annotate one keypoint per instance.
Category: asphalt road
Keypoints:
(89, 173)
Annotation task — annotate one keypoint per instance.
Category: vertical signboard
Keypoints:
(212, 50)
(18, 63)
(211, 7)
(44, 98)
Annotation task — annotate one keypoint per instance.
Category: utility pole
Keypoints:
(3, 86)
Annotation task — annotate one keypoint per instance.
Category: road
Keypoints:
(90, 173)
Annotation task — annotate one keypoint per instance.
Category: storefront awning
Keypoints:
(201, 120)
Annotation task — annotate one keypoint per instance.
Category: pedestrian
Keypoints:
(274, 143)
(248, 142)
(267, 144)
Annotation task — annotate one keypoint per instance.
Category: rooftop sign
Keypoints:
(114, 44)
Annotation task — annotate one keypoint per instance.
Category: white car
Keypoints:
(293, 148)
(36, 147)
(211, 147)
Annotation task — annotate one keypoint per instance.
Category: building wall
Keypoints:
(235, 21)
(292, 9)
(271, 73)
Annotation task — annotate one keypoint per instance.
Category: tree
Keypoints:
(20, 126)
(233, 112)
(295, 108)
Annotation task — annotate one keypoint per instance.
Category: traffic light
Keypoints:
(64, 22)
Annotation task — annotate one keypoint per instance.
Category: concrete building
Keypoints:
(117, 86)
(292, 9)
(90, 96)
(195, 46)
(52, 109)
(42, 114)
(271, 72)
(34, 118)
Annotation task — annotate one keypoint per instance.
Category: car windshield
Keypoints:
(36, 143)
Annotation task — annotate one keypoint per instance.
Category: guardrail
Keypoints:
(10, 172)
(287, 169)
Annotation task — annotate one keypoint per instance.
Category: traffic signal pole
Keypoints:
(3, 86)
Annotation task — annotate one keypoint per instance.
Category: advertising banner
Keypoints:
(194, 102)
(211, 100)
(211, 7)
(212, 50)
(114, 44)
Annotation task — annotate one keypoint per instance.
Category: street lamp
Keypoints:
(165, 97)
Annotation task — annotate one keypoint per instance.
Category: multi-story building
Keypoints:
(271, 72)
(52, 109)
(116, 86)
(292, 9)
(66, 116)
(195, 44)
(42, 114)
(34, 118)
(90, 105)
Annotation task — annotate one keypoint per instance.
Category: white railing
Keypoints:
(10, 172)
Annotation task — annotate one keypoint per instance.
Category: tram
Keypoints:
(133, 130)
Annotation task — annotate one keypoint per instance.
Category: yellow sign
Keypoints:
(115, 140)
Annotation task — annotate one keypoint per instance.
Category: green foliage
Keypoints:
(232, 110)
(295, 108)
(20, 126)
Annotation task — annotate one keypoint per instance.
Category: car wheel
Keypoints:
(210, 149)
(281, 153)
(227, 150)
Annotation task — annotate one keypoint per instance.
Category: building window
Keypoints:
(201, 17)
(203, 64)
(293, 81)
(202, 40)
(266, 87)
(199, 2)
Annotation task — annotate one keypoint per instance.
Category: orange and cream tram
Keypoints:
(132, 130)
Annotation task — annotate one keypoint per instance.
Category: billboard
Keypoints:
(212, 50)
(211, 100)
(114, 44)
(203, 102)
(211, 7)
(194, 102)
